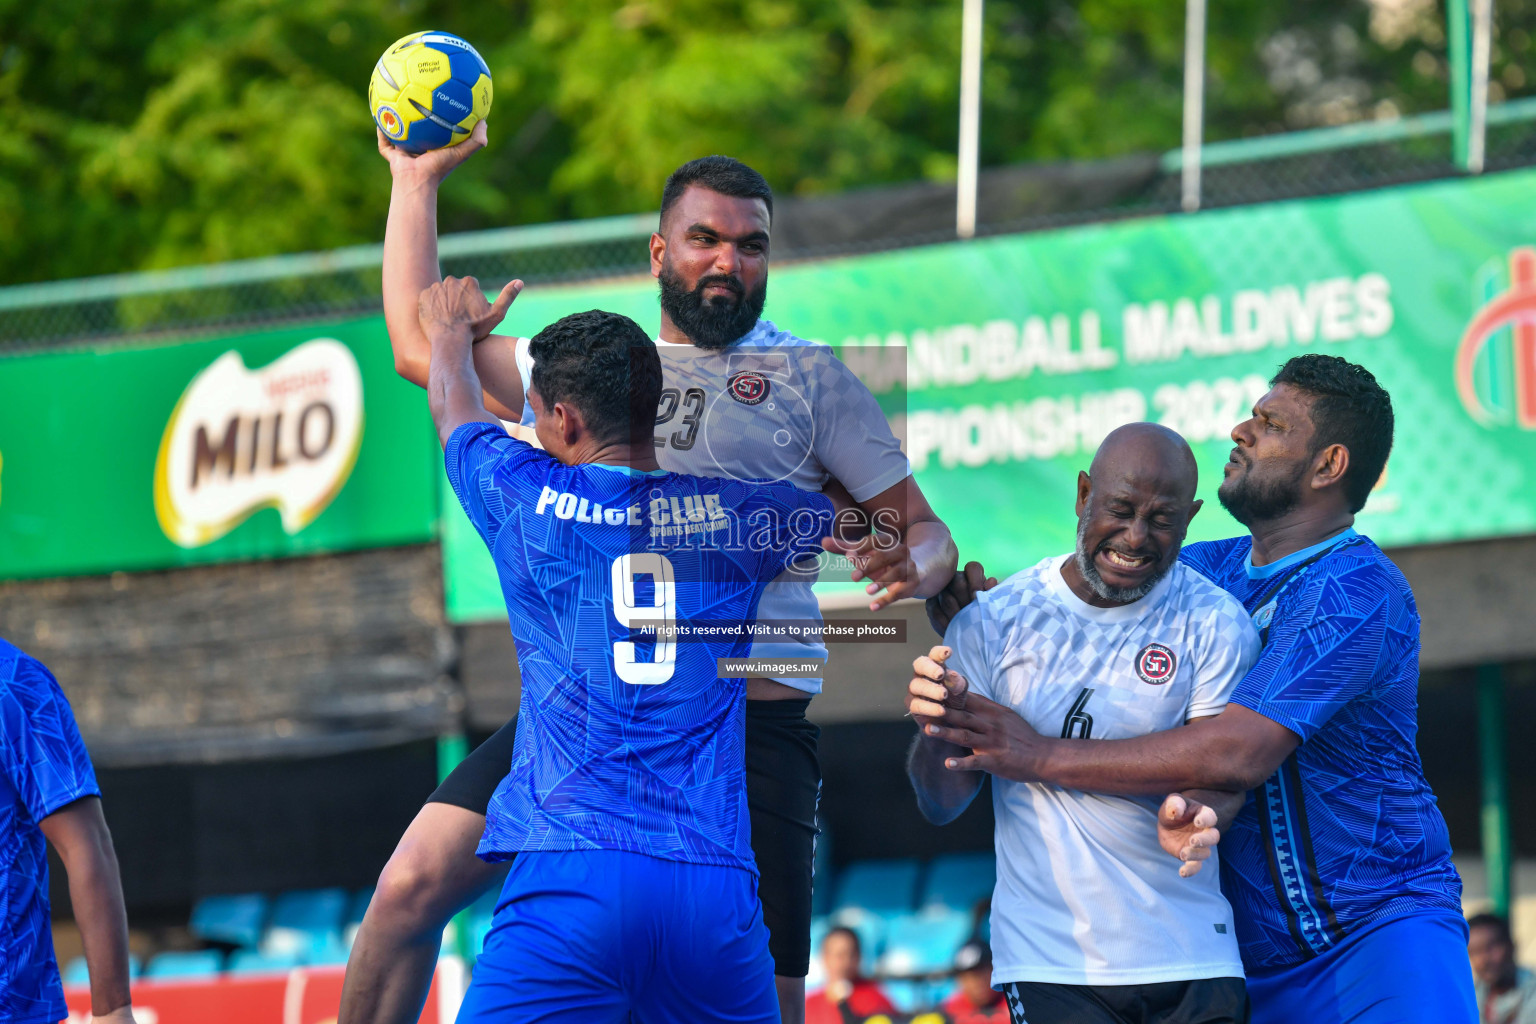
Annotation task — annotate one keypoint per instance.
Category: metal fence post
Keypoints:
(1477, 113)
(1458, 34)
(1497, 854)
(1194, 103)
(969, 155)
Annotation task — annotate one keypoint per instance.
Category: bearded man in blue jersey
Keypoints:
(633, 896)
(1335, 857)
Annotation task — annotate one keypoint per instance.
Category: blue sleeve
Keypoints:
(1327, 648)
(45, 758)
(787, 524)
(472, 457)
(1207, 556)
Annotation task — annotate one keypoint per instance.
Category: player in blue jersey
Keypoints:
(711, 258)
(633, 896)
(48, 794)
(1336, 859)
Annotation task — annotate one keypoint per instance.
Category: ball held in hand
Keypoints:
(429, 90)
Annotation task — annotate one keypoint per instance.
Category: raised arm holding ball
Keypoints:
(780, 408)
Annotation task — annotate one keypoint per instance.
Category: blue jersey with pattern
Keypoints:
(1346, 833)
(45, 769)
(626, 741)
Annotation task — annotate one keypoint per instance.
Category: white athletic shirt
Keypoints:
(1085, 895)
(776, 407)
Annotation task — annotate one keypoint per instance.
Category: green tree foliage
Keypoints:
(167, 132)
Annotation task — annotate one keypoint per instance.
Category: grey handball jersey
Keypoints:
(770, 407)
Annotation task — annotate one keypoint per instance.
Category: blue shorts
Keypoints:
(607, 936)
(1409, 970)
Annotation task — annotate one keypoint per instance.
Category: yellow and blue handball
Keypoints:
(429, 90)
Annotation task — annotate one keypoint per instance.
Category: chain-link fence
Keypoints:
(135, 308)
(345, 282)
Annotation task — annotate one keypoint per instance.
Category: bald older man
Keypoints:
(1091, 921)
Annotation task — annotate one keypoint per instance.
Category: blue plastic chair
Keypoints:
(480, 918)
(77, 972)
(236, 920)
(924, 943)
(869, 927)
(254, 961)
(960, 880)
(942, 990)
(200, 963)
(306, 921)
(885, 887)
(908, 996)
(356, 908)
(331, 954)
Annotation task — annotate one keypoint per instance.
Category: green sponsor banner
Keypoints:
(285, 442)
(1003, 362)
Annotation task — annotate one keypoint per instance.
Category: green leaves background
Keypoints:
(164, 132)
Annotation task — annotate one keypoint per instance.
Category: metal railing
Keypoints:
(157, 305)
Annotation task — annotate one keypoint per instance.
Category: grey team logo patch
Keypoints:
(748, 387)
(1155, 664)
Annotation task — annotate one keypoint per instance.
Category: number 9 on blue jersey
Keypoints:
(660, 615)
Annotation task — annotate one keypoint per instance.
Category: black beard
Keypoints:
(710, 323)
(1252, 501)
(1096, 583)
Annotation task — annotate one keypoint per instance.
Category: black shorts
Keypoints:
(1206, 1001)
(783, 786)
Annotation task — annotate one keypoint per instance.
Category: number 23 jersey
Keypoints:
(626, 741)
(1085, 895)
(771, 406)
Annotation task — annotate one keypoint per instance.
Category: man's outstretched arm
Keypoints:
(1231, 752)
(410, 267)
(78, 831)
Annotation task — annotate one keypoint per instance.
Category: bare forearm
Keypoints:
(453, 387)
(410, 266)
(942, 794)
(934, 554)
(1155, 765)
(96, 893)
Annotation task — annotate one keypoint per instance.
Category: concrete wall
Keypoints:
(1477, 600)
(297, 657)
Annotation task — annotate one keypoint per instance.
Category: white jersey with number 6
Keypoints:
(1085, 895)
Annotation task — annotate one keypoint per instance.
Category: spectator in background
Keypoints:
(1506, 993)
(48, 794)
(976, 1001)
(846, 994)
